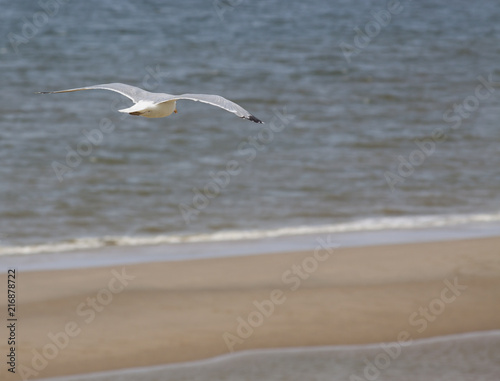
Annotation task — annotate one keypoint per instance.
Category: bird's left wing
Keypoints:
(134, 93)
(217, 100)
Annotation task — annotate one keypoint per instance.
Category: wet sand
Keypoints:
(96, 319)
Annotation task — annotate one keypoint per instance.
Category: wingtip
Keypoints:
(254, 119)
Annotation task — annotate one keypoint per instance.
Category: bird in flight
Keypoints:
(159, 105)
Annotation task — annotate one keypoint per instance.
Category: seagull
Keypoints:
(159, 105)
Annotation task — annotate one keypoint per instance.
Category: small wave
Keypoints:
(366, 224)
(458, 357)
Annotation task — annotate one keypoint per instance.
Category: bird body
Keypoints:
(159, 105)
(150, 109)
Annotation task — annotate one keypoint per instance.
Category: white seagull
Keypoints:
(159, 105)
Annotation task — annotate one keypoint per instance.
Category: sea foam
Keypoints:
(365, 224)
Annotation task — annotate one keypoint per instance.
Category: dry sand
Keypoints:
(179, 311)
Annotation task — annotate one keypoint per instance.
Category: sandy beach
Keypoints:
(88, 320)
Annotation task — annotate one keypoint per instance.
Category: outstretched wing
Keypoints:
(131, 92)
(217, 100)
(136, 94)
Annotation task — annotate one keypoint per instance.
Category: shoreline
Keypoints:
(125, 255)
(340, 361)
(169, 312)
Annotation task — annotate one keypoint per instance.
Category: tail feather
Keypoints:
(135, 109)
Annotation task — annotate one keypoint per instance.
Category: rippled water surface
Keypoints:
(400, 120)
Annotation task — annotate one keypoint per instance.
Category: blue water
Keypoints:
(342, 110)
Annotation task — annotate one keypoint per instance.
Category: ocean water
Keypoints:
(376, 118)
(463, 357)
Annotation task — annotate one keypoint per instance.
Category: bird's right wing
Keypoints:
(134, 93)
(218, 101)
